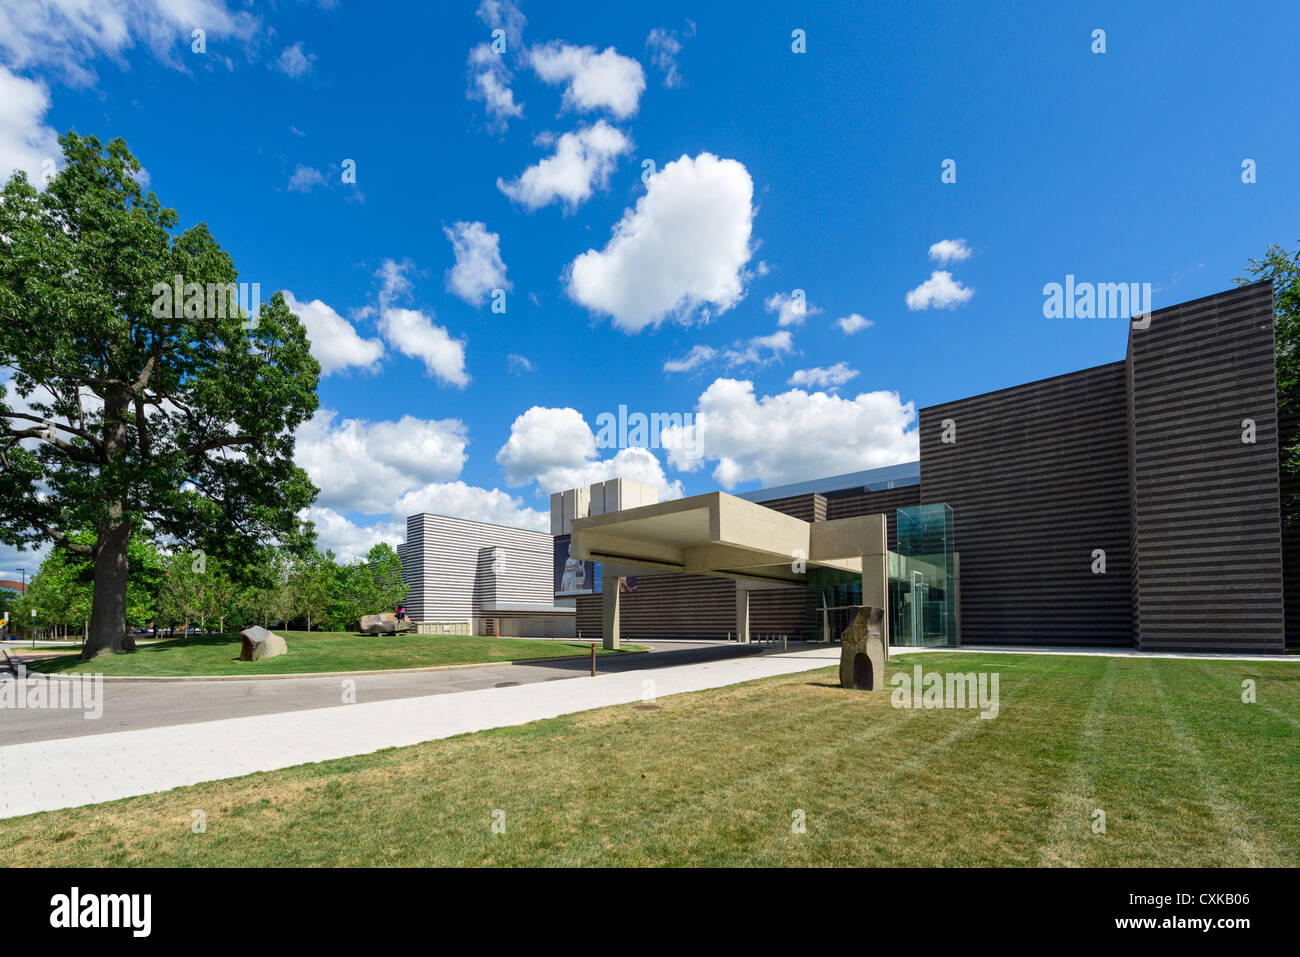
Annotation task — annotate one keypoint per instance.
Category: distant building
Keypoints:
(468, 577)
(13, 586)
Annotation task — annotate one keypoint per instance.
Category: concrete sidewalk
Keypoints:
(69, 772)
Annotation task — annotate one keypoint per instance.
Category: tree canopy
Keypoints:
(134, 390)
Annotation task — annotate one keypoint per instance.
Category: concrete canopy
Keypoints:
(720, 534)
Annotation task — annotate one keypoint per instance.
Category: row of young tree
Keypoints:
(184, 590)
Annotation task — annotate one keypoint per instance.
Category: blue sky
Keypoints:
(774, 171)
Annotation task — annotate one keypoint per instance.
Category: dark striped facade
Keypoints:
(1141, 459)
(847, 503)
(1203, 449)
(1289, 491)
(1037, 479)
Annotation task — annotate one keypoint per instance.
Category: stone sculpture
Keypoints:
(259, 644)
(862, 651)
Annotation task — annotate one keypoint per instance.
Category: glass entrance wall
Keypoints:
(923, 578)
(922, 585)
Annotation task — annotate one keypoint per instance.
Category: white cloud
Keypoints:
(542, 440)
(490, 82)
(592, 80)
(479, 504)
(663, 46)
(698, 356)
(489, 76)
(790, 309)
(363, 466)
(793, 436)
(503, 15)
(583, 160)
(414, 334)
(760, 350)
(853, 323)
(293, 62)
(519, 364)
(940, 291)
(950, 251)
(638, 464)
(823, 377)
(305, 179)
(67, 35)
(26, 141)
(334, 342)
(683, 248)
(350, 542)
(479, 268)
(556, 448)
(12, 559)
(393, 281)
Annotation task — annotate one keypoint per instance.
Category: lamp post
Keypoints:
(24, 574)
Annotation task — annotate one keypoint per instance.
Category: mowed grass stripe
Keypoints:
(1072, 816)
(1146, 785)
(1249, 755)
(843, 760)
(1227, 819)
(1266, 691)
(979, 796)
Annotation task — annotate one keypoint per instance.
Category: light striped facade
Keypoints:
(460, 570)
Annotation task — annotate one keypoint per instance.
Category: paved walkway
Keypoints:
(72, 771)
(131, 705)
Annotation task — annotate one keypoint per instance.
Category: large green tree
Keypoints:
(381, 587)
(125, 406)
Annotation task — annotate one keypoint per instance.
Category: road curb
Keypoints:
(332, 674)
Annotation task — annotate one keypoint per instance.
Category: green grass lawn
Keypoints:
(1187, 774)
(315, 651)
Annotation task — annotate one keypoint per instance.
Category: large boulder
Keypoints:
(862, 651)
(259, 643)
(385, 624)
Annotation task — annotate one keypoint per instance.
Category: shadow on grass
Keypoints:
(159, 647)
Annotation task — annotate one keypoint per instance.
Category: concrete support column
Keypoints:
(742, 614)
(875, 590)
(609, 624)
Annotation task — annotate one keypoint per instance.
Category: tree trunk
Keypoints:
(108, 608)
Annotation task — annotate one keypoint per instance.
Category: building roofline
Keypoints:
(886, 476)
(475, 521)
(1235, 290)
